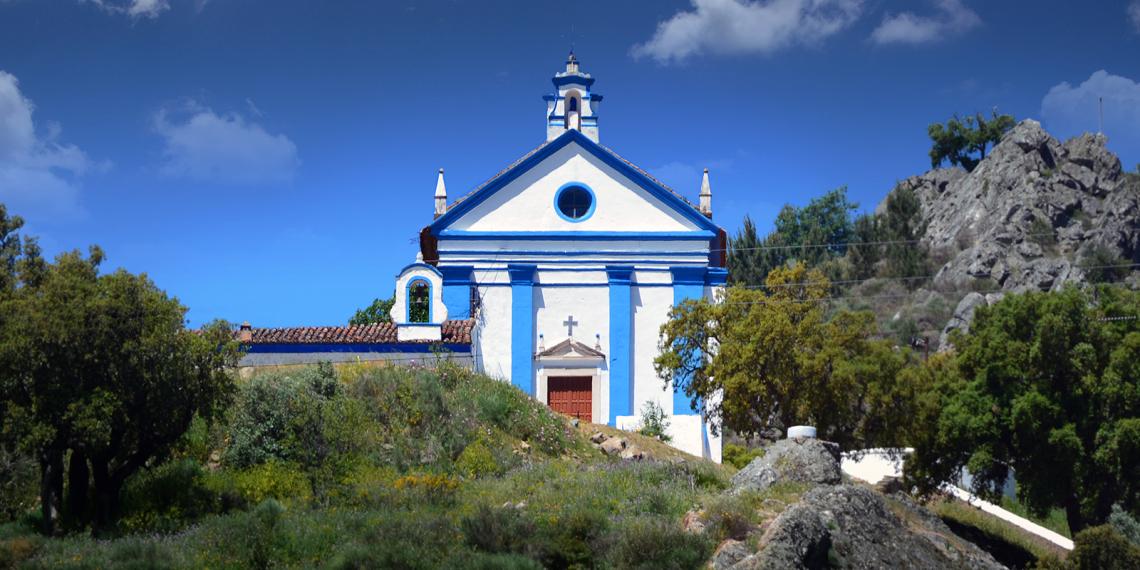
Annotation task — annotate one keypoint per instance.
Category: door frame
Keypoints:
(547, 372)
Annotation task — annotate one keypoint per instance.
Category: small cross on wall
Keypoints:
(570, 323)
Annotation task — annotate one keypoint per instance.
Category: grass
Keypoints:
(395, 467)
(1010, 545)
(1054, 520)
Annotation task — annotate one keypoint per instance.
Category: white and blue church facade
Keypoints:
(569, 261)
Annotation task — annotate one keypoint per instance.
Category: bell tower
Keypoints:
(572, 105)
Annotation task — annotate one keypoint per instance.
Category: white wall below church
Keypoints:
(650, 307)
(495, 331)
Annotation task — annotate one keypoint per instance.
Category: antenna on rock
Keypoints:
(1100, 127)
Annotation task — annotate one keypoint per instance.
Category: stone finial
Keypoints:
(245, 332)
(440, 196)
(706, 196)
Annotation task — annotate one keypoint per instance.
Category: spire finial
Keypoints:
(706, 196)
(440, 196)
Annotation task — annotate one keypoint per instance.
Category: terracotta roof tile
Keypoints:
(454, 332)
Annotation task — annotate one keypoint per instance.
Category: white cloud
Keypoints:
(224, 148)
(38, 176)
(908, 28)
(1069, 111)
(747, 26)
(1134, 13)
(134, 8)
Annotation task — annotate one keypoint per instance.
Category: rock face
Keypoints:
(841, 526)
(802, 460)
(1030, 215)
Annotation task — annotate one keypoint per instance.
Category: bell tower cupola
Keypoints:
(572, 105)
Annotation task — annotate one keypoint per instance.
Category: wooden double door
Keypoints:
(571, 395)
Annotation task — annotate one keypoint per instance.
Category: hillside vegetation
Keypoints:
(391, 467)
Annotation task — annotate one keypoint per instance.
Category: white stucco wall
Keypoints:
(399, 312)
(495, 331)
(650, 307)
(527, 203)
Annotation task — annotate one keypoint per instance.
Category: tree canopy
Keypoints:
(103, 366)
(776, 362)
(960, 139)
(378, 312)
(1043, 386)
(814, 233)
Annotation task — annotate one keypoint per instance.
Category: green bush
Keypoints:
(480, 561)
(1096, 548)
(19, 483)
(271, 480)
(497, 530)
(576, 540)
(173, 494)
(660, 545)
(654, 421)
(138, 555)
(266, 407)
(1125, 525)
(727, 517)
(739, 456)
(477, 460)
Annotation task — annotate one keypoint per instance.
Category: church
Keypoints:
(567, 263)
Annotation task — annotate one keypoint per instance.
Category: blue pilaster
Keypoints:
(716, 277)
(688, 283)
(621, 389)
(457, 290)
(522, 326)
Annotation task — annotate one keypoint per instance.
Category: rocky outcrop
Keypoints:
(801, 460)
(1031, 213)
(841, 526)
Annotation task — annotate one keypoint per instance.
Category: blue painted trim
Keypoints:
(621, 389)
(572, 252)
(688, 211)
(688, 276)
(522, 326)
(407, 267)
(541, 285)
(575, 186)
(457, 281)
(387, 348)
(688, 283)
(408, 301)
(716, 276)
(550, 97)
(492, 261)
(420, 325)
(573, 80)
(595, 269)
(696, 236)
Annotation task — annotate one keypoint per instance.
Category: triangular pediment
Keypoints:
(570, 349)
(524, 198)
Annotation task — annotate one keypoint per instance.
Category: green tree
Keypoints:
(1042, 386)
(778, 363)
(750, 259)
(815, 233)
(865, 253)
(378, 312)
(103, 366)
(902, 227)
(960, 138)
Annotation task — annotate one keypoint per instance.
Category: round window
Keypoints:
(575, 203)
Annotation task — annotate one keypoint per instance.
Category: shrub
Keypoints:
(17, 549)
(266, 406)
(1041, 233)
(139, 555)
(497, 530)
(727, 518)
(171, 495)
(477, 460)
(1096, 548)
(654, 421)
(482, 561)
(739, 456)
(271, 480)
(1125, 525)
(19, 483)
(655, 545)
(428, 487)
(576, 540)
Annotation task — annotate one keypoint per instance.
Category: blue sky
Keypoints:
(272, 161)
